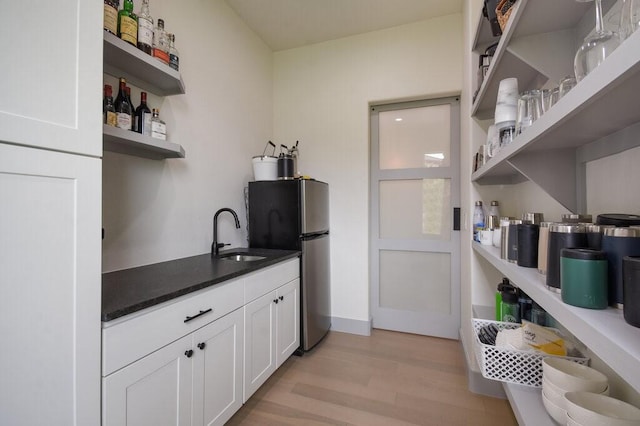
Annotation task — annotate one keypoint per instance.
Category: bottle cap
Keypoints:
(478, 203)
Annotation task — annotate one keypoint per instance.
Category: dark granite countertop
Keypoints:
(130, 290)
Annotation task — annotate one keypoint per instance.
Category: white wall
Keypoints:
(160, 210)
(321, 97)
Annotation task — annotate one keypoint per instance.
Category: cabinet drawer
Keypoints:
(266, 280)
(132, 338)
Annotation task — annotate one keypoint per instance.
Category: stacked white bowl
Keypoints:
(593, 409)
(560, 376)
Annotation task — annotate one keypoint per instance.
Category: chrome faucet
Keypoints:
(215, 247)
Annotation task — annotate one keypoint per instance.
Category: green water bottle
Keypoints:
(510, 307)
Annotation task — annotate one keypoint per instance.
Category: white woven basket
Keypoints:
(510, 365)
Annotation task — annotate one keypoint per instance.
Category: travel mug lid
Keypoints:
(622, 232)
(618, 219)
(567, 228)
(546, 224)
(515, 222)
(633, 261)
(532, 217)
(597, 228)
(577, 218)
(583, 254)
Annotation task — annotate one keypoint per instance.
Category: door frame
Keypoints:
(453, 245)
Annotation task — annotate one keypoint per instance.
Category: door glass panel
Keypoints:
(415, 137)
(416, 209)
(415, 281)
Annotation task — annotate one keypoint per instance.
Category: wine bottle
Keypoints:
(160, 43)
(128, 23)
(123, 107)
(108, 108)
(142, 120)
(174, 57)
(145, 28)
(110, 17)
(127, 91)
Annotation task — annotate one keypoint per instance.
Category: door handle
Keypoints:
(456, 218)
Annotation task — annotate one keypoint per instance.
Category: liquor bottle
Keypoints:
(108, 107)
(128, 23)
(111, 16)
(174, 57)
(145, 28)
(158, 127)
(142, 120)
(123, 107)
(160, 43)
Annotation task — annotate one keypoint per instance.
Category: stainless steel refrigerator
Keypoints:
(294, 215)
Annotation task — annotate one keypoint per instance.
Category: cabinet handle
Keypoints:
(281, 297)
(197, 315)
(189, 353)
(202, 345)
(275, 301)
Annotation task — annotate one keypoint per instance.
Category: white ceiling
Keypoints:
(285, 24)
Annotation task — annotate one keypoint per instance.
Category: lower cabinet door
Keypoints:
(260, 338)
(217, 371)
(288, 320)
(155, 390)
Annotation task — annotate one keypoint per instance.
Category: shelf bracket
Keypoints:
(553, 171)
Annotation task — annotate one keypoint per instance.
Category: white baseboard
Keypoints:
(352, 326)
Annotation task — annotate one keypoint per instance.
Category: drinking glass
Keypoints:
(529, 109)
(566, 84)
(549, 98)
(493, 141)
(629, 18)
(595, 48)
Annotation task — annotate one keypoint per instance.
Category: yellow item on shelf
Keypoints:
(543, 339)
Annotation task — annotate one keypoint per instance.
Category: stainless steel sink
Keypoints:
(242, 257)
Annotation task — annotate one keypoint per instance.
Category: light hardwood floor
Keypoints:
(386, 379)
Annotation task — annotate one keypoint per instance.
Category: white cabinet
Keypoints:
(50, 250)
(260, 337)
(272, 334)
(50, 93)
(155, 390)
(217, 372)
(288, 321)
(184, 362)
(50, 281)
(196, 380)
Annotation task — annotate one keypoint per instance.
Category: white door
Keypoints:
(415, 186)
(288, 322)
(260, 340)
(155, 390)
(217, 371)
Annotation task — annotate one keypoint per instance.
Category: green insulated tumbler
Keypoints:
(583, 278)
